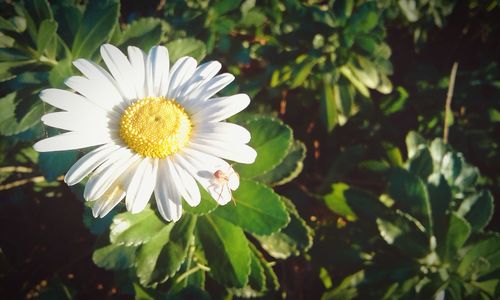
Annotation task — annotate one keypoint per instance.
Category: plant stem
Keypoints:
(449, 96)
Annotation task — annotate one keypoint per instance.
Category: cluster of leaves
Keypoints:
(217, 243)
(422, 237)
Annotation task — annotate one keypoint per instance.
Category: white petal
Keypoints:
(185, 184)
(223, 132)
(218, 109)
(203, 73)
(88, 163)
(68, 101)
(202, 167)
(107, 173)
(108, 201)
(158, 65)
(82, 122)
(71, 141)
(121, 69)
(141, 186)
(95, 91)
(137, 59)
(168, 199)
(96, 73)
(181, 72)
(211, 87)
(236, 152)
(234, 180)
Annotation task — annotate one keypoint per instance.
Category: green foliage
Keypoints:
(432, 225)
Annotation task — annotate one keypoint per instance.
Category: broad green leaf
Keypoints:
(294, 239)
(207, 204)
(301, 70)
(480, 250)
(399, 231)
(68, 16)
(271, 280)
(458, 233)
(438, 150)
(55, 164)
(421, 163)
(271, 139)
(162, 256)
(95, 28)
(328, 105)
(347, 72)
(467, 177)
(477, 209)
(256, 280)
(451, 166)
(12, 54)
(10, 123)
(135, 229)
(440, 200)
(366, 72)
(186, 47)
(289, 168)
(143, 33)
(337, 202)
(393, 154)
(413, 142)
(60, 72)
(46, 33)
(257, 209)
(365, 18)
(226, 250)
(114, 257)
(411, 196)
(344, 101)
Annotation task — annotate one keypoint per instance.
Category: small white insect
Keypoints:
(225, 180)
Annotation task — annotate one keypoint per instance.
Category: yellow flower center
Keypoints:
(155, 127)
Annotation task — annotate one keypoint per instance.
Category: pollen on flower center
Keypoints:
(155, 127)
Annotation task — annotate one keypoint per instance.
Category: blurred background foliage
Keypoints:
(397, 211)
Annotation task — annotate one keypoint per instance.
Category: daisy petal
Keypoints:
(203, 73)
(181, 72)
(68, 101)
(108, 201)
(222, 132)
(71, 141)
(168, 199)
(122, 71)
(76, 122)
(138, 59)
(236, 152)
(211, 87)
(158, 65)
(185, 184)
(141, 185)
(218, 109)
(95, 92)
(88, 163)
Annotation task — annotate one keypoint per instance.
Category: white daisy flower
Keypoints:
(158, 130)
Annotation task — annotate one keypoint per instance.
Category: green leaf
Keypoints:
(96, 27)
(144, 33)
(54, 164)
(46, 33)
(39, 10)
(328, 103)
(271, 283)
(189, 292)
(438, 150)
(61, 72)
(207, 204)
(440, 200)
(186, 47)
(288, 169)
(366, 72)
(421, 163)
(483, 249)
(256, 280)
(258, 209)
(114, 257)
(135, 229)
(10, 124)
(271, 139)
(294, 239)
(337, 202)
(365, 18)
(477, 209)
(162, 256)
(301, 70)
(458, 233)
(411, 196)
(451, 166)
(226, 250)
(414, 141)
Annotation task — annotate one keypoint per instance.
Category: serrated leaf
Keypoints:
(458, 233)
(96, 26)
(271, 139)
(46, 33)
(258, 209)
(294, 239)
(143, 33)
(162, 256)
(256, 280)
(186, 47)
(410, 195)
(226, 250)
(9, 122)
(481, 250)
(337, 202)
(135, 229)
(477, 209)
(55, 164)
(271, 280)
(114, 257)
(289, 168)
(207, 204)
